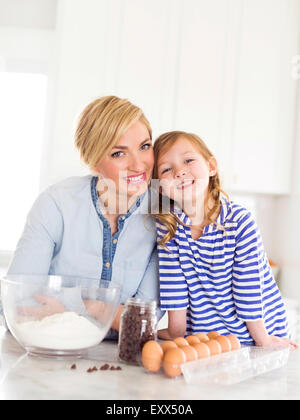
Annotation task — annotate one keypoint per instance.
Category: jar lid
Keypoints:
(141, 303)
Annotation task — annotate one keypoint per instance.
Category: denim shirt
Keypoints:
(66, 234)
(110, 241)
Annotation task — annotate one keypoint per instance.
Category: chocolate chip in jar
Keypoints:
(138, 325)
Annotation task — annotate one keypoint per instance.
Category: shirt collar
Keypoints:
(220, 219)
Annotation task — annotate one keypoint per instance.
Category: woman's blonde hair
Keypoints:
(102, 123)
(162, 144)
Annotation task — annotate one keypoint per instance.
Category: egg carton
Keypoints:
(236, 366)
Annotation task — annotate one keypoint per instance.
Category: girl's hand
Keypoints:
(273, 341)
(261, 337)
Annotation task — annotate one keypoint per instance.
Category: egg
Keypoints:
(172, 361)
(214, 347)
(152, 356)
(192, 339)
(202, 349)
(202, 337)
(190, 352)
(180, 342)
(213, 334)
(235, 343)
(224, 343)
(166, 345)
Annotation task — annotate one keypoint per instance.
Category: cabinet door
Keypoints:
(201, 61)
(144, 68)
(263, 127)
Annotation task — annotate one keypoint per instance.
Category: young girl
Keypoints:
(214, 272)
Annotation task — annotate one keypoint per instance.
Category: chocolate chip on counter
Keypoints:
(73, 367)
(104, 367)
(90, 370)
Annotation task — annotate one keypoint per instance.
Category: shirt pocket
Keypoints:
(129, 275)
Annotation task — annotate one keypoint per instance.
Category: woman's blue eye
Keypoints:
(189, 160)
(146, 146)
(116, 154)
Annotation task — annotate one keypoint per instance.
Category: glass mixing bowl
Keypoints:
(58, 315)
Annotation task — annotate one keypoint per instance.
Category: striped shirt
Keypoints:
(223, 278)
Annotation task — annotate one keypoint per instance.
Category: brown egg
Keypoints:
(202, 349)
(172, 361)
(202, 337)
(213, 334)
(235, 343)
(214, 347)
(166, 345)
(152, 356)
(224, 343)
(190, 352)
(180, 342)
(192, 339)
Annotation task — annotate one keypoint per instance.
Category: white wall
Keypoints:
(287, 227)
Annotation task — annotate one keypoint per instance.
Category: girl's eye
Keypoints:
(116, 154)
(146, 146)
(189, 160)
(165, 170)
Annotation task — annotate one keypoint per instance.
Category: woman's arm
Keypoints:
(261, 337)
(43, 229)
(176, 325)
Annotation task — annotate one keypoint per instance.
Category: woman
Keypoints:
(95, 226)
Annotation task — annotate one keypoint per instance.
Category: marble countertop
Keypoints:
(33, 378)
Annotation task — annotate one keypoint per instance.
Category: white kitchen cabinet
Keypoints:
(221, 69)
(142, 59)
(201, 60)
(234, 87)
(265, 107)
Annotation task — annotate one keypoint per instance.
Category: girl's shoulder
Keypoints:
(233, 212)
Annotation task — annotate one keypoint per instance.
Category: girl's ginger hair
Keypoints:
(102, 123)
(170, 220)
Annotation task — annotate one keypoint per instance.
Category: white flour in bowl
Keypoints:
(65, 331)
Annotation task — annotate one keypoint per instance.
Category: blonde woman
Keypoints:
(214, 273)
(94, 226)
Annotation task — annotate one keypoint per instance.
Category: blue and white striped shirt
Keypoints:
(223, 278)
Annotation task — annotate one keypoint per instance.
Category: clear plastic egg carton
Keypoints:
(236, 366)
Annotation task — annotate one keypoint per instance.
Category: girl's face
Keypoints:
(128, 167)
(184, 173)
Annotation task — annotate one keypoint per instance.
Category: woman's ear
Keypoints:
(213, 166)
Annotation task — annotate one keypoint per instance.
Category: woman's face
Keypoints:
(128, 167)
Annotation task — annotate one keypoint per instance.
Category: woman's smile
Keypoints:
(136, 179)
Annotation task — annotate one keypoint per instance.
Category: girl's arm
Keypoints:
(176, 325)
(261, 337)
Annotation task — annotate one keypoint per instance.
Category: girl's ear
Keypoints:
(213, 166)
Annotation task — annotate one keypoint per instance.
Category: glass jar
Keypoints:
(137, 326)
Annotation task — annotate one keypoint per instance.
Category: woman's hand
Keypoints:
(50, 306)
(95, 308)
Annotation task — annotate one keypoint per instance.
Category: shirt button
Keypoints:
(107, 264)
(123, 217)
(115, 241)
